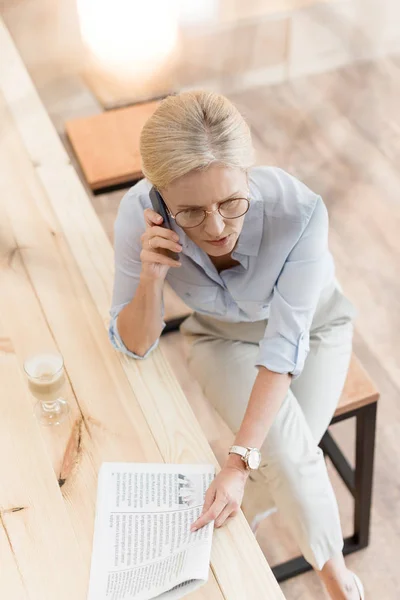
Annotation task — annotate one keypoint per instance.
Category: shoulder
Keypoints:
(130, 218)
(284, 196)
(135, 200)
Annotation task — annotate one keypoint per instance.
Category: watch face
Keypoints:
(254, 459)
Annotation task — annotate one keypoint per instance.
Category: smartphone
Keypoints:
(158, 205)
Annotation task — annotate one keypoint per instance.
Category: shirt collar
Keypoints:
(250, 237)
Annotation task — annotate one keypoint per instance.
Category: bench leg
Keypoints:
(173, 324)
(359, 481)
(365, 452)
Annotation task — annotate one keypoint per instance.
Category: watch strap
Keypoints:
(241, 450)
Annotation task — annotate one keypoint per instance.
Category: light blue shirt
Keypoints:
(285, 264)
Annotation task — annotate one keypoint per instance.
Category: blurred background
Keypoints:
(319, 84)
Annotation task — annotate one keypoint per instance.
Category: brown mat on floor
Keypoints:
(107, 145)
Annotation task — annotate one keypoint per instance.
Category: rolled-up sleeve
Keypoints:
(116, 339)
(128, 228)
(285, 345)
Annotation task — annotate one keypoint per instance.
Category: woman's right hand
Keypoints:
(156, 241)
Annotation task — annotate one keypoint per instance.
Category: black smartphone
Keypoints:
(158, 205)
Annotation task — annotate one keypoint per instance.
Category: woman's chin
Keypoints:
(220, 250)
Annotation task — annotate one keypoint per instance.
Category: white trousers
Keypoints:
(293, 475)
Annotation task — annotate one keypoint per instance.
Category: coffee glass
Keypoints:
(46, 381)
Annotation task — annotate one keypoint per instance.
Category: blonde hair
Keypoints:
(192, 130)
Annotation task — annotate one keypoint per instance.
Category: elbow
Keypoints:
(281, 355)
(141, 352)
(138, 352)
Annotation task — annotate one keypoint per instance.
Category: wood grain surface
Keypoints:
(56, 275)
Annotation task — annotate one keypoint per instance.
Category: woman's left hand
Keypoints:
(223, 497)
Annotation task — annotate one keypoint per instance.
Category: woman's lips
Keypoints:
(222, 242)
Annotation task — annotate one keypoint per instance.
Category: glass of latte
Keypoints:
(46, 379)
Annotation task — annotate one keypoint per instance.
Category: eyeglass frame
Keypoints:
(208, 212)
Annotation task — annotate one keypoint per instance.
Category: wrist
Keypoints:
(234, 461)
(151, 281)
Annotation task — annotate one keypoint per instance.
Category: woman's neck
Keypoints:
(223, 262)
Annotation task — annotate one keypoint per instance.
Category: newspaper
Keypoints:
(142, 544)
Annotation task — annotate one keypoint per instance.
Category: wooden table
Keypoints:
(56, 273)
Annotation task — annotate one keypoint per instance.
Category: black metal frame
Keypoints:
(173, 324)
(359, 482)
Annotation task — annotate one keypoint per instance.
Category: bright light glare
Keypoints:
(195, 12)
(132, 37)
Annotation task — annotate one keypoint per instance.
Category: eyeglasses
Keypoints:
(229, 209)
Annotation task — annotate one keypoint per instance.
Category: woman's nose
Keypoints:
(214, 224)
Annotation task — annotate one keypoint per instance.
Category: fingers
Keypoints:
(161, 232)
(160, 241)
(160, 237)
(155, 242)
(155, 257)
(211, 514)
(228, 512)
(151, 217)
(209, 499)
(208, 502)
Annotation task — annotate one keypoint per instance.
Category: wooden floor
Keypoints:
(340, 133)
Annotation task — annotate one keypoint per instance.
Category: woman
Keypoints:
(270, 339)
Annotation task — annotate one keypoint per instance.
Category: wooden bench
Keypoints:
(56, 286)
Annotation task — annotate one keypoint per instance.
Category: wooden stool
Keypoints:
(107, 145)
(359, 399)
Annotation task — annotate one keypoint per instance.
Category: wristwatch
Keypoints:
(250, 456)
